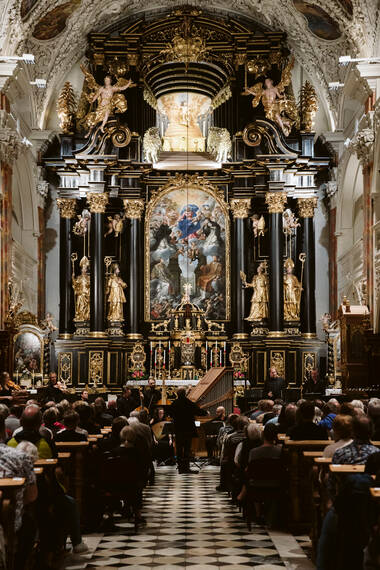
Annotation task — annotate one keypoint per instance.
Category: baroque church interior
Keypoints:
(190, 284)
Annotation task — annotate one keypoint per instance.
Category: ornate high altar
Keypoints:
(187, 196)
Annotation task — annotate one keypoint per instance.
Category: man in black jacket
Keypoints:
(126, 403)
(274, 387)
(183, 411)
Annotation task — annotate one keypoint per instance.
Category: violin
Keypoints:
(13, 385)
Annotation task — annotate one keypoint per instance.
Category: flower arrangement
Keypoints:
(239, 375)
(138, 375)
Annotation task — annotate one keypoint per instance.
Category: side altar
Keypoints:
(186, 193)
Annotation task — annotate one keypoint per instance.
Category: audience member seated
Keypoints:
(84, 396)
(265, 477)
(109, 443)
(287, 418)
(252, 440)
(358, 407)
(332, 409)
(129, 481)
(30, 431)
(86, 418)
(12, 422)
(228, 455)
(112, 408)
(374, 415)
(101, 416)
(358, 451)
(272, 417)
(342, 433)
(264, 407)
(349, 504)
(70, 433)
(305, 428)
(51, 421)
(18, 464)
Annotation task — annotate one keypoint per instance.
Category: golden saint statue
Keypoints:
(108, 97)
(115, 295)
(260, 297)
(292, 293)
(81, 286)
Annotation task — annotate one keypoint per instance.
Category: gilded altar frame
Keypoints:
(180, 182)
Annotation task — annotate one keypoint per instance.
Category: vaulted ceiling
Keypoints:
(318, 33)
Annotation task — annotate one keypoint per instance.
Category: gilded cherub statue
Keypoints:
(114, 225)
(108, 96)
(292, 293)
(115, 295)
(260, 297)
(81, 286)
(278, 108)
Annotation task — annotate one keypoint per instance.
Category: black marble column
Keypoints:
(276, 202)
(240, 209)
(66, 295)
(306, 208)
(97, 203)
(135, 293)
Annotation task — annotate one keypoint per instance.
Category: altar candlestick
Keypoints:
(220, 357)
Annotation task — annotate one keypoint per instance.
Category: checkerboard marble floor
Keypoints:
(190, 525)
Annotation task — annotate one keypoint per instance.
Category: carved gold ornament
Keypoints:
(97, 202)
(95, 369)
(308, 106)
(276, 202)
(66, 107)
(306, 206)
(138, 356)
(277, 361)
(133, 208)
(67, 207)
(240, 207)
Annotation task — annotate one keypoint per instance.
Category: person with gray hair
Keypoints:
(374, 415)
(29, 449)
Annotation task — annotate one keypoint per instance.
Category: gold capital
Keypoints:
(97, 202)
(67, 207)
(133, 208)
(306, 206)
(276, 202)
(240, 207)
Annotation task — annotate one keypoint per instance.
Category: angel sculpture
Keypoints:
(108, 96)
(258, 225)
(114, 225)
(277, 106)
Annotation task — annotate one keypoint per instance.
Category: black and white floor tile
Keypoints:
(190, 525)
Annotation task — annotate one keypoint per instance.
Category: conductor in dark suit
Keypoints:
(274, 387)
(183, 411)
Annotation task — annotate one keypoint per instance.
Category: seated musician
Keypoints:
(212, 434)
(6, 388)
(126, 403)
(54, 390)
(162, 431)
(151, 395)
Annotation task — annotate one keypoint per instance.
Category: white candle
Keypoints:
(164, 356)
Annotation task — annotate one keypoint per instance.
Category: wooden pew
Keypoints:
(8, 489)
(78, 450)
(299, 469)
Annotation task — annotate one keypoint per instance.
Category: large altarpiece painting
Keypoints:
(187, 240)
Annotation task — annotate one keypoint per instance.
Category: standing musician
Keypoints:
(151, 395)
(184, 411)
(126, 403)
